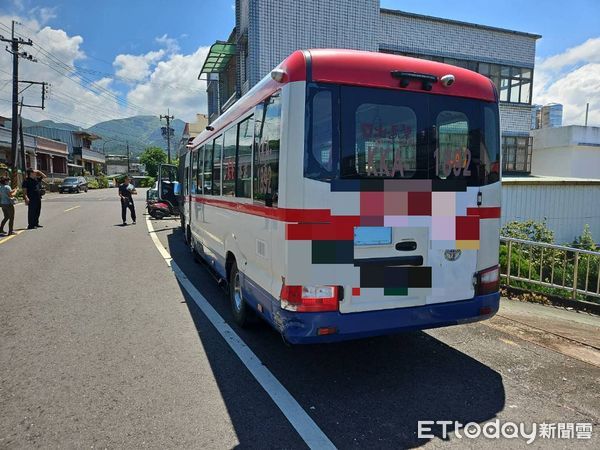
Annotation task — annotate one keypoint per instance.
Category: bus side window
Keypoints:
(229, 145)
(194, 188)
(186, 174)
(207, 178)
(216, 166)
(198, 171)
(267, 127)
(244, 159)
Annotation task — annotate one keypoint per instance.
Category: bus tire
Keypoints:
(239, 308)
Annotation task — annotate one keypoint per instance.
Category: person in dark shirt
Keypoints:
(125, 191)
(32, 194)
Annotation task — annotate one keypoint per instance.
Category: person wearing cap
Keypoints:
(7, 201)
(32, 194)
(125, 191)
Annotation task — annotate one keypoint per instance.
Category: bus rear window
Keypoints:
(383, 133)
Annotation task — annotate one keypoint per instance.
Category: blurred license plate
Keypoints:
(372, 235)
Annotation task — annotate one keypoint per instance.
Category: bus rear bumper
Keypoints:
(303, 328)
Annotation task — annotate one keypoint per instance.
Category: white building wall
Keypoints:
(572, 151)
(433, 36)
(515, 118)
(278, 28)
(567, 207)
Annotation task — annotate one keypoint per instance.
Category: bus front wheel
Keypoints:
(236, 298)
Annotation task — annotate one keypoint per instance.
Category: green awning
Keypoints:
(218, 57)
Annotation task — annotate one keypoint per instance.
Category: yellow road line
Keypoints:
(8, 238)
(71, 209)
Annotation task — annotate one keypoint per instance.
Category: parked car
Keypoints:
(112, 183)
(73, 184)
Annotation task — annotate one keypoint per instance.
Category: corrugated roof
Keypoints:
(219, 55)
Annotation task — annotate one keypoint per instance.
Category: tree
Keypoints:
(151, 157)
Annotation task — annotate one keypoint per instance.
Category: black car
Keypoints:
(73, 184)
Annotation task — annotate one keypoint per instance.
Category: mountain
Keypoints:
(139, 131)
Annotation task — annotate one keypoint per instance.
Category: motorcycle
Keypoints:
(159, 209)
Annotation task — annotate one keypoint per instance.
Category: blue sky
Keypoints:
(153, 40)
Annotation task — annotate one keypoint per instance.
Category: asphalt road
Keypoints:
(101, 346)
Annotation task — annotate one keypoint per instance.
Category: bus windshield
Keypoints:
(356, 132)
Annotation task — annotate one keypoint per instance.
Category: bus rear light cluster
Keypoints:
(310, 298)
(488, 281)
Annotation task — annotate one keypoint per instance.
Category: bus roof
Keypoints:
(357, 68)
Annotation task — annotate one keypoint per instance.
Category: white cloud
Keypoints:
(45, 14)
(170, 44)
(69, 100)
(571, 78)
(154, 80)
(135, 68)
(174, 84)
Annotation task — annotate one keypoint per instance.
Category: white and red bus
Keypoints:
(352, 194)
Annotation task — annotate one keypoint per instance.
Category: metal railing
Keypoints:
(553, 266)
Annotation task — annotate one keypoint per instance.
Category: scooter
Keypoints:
(159, 209)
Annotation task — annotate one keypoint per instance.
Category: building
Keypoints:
(41, 153)
(267, 31)
(547, 116)
(191, 130)
(121, 164)
(51, 157)
(565, 204)
(79, 145)
(571, 151)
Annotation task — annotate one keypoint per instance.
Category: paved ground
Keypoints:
(100, 346)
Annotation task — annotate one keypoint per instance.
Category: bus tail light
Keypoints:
(309, 298)
(488, 281)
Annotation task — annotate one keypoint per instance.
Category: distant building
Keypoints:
(565, 204)
(551, 116)
(121, 164)
(571, 151)
(191, 130)
(267, 31)
(79, 144)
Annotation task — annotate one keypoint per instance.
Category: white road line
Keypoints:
(291, 409)
(74, 207)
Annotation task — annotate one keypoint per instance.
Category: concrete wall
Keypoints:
(572, 151)
(429, 35)
(567, 206)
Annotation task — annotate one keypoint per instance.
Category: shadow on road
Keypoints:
(366, 393)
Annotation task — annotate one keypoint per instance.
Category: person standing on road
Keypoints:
(125, 191)
(32, 193)
(7, 201)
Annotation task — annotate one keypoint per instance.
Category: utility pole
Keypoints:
(128, 162)
(587, 110)
(167, 131)
(14, 50)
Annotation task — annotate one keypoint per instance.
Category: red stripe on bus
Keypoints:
(280, 214)
(341, 228)
(485, 212)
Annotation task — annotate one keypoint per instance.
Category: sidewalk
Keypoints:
(571, 333)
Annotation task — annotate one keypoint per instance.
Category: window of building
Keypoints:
(267, 126)
(217, 163)
(513, 83)
(244, 158)
(516, 153)
(229, 148)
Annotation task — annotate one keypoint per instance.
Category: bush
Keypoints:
(102, 181)
(147, 182)
(93, 184)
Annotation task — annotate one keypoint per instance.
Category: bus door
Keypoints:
(187, 183)
(168, 185)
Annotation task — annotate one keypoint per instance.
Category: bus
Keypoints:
(351, 194)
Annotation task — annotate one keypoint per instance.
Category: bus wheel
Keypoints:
(238, 305)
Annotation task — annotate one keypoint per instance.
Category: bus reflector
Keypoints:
(309, 298)
(488, 280)
(326, 330)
